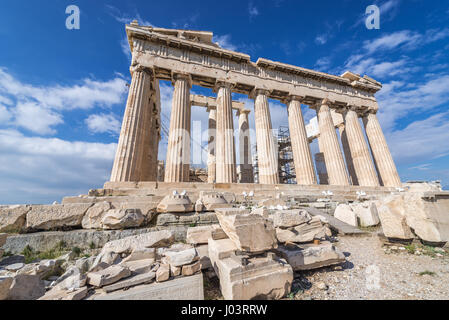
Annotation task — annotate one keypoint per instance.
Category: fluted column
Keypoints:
(333, 156)
(211, 145)
(246, 163)
(225, 145)
(152, 136)
(305, 174)
(178, 151)
(379, 148)
(347, 154)
(130, 149)
(361, 159)
(266, 148)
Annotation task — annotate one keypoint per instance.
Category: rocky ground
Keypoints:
(377, 271)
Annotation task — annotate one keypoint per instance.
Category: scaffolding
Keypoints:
(286, 165)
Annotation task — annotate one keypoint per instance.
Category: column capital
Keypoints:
(321, 102)
(293, 97)
(243, 111)
(181, 75)
(258, 91)
(139, 68)
(223, 83)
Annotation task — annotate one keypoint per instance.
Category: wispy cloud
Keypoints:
(39, 108)
(252, 10)
(331, 30)
(224, 41)
(42, 170)
(103, 123)
(124, 17)
(425, 166)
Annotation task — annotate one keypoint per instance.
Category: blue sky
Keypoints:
(63, 92)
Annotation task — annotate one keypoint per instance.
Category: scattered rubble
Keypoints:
(256, 252)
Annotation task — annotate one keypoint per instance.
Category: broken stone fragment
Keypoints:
(131, 282)
(250, 232)
(182, 257)
(94, 215)
(154, 239)
(175, 203)
(14, 267)
(305, 232)
(201, 234)
(72, 278)
(5, 284)
(59, 294)
(221, 249)
(26, 287)
(175, 271)
(163, 273)
(191, 269)
(49, 217)
(366, 213)
(141, 254)
(392, 217)
(290, 218)
(203, 253)
(139, 266)
(13, 219)
(344, 213)
(108, 276)
(308, 257)
(122, 219)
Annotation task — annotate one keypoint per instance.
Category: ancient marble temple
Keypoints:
(357, 155)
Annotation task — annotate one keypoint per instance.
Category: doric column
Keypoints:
(225, 145)
(266, 147)
(379, 148)
(128, 158)
(178, 151)
(335, 164)
(246, 163)
(305, 174)
(361, 159)
(347, 154)
(211, 145)
(152, 136)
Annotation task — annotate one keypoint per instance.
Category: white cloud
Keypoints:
(430, 134)
(397, 101)
(321, 39)
(224, 41)
(103, 123)
(36, 118)
(124, 17)
(5, 115)
(39, 108)
(124, 45)
(370, 59)
(391, 41)
(323, 63)
(252, 10)
(42, 170)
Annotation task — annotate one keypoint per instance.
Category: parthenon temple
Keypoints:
(357, 156)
